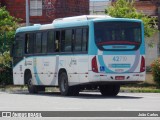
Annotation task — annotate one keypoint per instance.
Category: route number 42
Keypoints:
(119, 58)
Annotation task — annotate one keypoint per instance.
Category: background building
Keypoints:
(45, 11)
(97, 7)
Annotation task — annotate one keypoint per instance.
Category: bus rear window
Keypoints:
(118, 35)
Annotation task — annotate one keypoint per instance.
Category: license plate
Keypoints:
(119, 77)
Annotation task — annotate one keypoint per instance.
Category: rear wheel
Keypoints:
(65, 89)
(31, 88)
(109, 90)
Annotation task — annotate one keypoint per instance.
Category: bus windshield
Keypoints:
(118, 35)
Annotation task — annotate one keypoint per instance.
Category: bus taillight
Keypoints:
(142, 68)
(94, 65)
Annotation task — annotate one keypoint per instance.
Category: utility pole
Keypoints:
(27, 13)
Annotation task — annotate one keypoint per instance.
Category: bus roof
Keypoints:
(82, 20)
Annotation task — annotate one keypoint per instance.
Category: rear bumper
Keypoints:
(110, 83)
(112, 78)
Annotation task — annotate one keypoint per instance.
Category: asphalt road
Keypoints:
(86, 101)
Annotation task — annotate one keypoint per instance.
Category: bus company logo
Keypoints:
(6, 114)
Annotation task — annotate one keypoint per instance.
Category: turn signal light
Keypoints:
(94, 65)
(142, 68)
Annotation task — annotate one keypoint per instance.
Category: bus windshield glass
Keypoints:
(118, 35)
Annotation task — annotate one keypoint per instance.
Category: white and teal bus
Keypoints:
(80, 52)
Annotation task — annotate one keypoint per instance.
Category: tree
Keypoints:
(8, 25)
(124, 9)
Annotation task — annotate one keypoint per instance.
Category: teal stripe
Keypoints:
(35, 71)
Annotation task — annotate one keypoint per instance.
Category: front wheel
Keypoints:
(109, 90)
(65, 89)
(31, 88)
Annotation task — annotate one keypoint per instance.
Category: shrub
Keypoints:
(5, 69)
(155, 67)
(5, 75)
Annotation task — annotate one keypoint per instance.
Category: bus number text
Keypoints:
(119, 58)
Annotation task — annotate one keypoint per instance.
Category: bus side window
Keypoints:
(18, 47)
(85, 40)
(78, 40)
(38, 42)
(57, 41)
(63, 42)
(44, 42)
(26, 43)
(68, 41)
(29, 43)
(50, 42)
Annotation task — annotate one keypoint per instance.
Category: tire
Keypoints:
(109, 90)
(31, 88)
(64, 88)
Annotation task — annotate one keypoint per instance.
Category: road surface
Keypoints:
(86, 101)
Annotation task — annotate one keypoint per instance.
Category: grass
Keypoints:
(9, 88)
(149, 86)
(140, 88)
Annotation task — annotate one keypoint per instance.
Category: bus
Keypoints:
(80, 52)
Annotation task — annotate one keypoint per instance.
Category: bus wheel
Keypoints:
(65, 89)
(109, 90)
(31, 88)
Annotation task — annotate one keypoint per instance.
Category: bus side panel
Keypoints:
(76, 67)
(44, 70)
(18, 73)
(67, 63)
(82, 68)
(52, 70)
